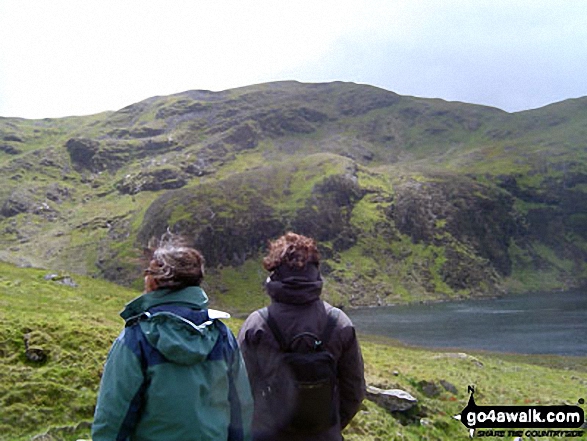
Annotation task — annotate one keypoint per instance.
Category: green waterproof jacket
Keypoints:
(174, 373)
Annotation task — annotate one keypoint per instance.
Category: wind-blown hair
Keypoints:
(293, 250)
(174, 264)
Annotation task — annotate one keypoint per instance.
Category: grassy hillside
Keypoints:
(73, 327)
(411, 199)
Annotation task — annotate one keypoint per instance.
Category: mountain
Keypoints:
(410, 199)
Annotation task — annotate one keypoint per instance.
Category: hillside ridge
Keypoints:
(410, 198)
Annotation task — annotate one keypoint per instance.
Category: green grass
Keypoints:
(239, 289)
(498, 380)
(525, 277)
(411, 138)
(378, 271)
(76, 325)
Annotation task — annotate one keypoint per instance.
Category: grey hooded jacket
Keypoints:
(296, 307)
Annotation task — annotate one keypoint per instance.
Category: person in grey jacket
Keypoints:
(295, 286)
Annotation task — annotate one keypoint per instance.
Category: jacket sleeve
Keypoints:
(241, 400)
(121, 391)
(351, 378)
(247, 347)
(239, 395)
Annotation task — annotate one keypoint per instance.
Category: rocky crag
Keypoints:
(411, 199)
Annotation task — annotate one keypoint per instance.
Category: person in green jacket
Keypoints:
(175, 372)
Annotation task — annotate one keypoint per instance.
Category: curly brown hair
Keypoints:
(293, 250)
(174, 264)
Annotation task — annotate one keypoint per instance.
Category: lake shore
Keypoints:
(531, 323)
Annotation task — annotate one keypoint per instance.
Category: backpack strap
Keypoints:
(330, 325)
(264, 312)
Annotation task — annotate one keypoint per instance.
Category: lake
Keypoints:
(537, 323)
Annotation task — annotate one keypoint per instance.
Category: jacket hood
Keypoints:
(296, 287)
(182, 340)
(192, 296)
(176, 323)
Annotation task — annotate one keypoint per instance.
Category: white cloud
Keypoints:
(109, 53)
(73, 57)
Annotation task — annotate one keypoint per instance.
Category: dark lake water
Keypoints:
(537, 323)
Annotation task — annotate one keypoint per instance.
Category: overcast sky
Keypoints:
(76, 57)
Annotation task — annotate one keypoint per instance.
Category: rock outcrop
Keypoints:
(409, 198)
(392, 400)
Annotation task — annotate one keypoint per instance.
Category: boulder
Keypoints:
(20, 201)
(393, 400)
(449, 387)
(429, 388)
(36, 345)
(63, 279)
(461, 356)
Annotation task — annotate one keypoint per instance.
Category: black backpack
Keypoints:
(301, 395)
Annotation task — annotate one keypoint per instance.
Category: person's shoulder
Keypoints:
(255, 320)
(258, 315)
(343, 320)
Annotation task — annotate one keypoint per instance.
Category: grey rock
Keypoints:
(449, 387)
(64, 280)
(393, 400)
(429, 388)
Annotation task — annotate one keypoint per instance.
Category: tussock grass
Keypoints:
(75, 326)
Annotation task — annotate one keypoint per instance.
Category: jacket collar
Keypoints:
(295, 286)
(192, 296)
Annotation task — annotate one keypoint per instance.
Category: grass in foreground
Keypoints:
(74, 326)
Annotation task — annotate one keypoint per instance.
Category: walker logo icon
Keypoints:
(521, 417)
